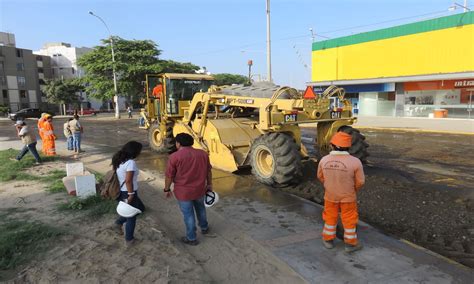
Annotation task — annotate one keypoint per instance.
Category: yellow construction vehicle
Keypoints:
(238, 126)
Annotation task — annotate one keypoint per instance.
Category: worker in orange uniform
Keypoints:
(49, 137)
(41, 122)
(157, 92)
(342, 176)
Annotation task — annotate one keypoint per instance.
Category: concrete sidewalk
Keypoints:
(448, 125)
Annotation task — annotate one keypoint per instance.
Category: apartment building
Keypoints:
(20, 77)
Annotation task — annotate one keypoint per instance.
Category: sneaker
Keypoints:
(352, 248)
(37, 163)
(328, 244)
(14, 159)
(205, 232)
(189, 242)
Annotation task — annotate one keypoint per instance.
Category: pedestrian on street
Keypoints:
(342, 176)
(129, 110)
(41, 122)
(123, 162)
(49, 138)
(28, 139)
(76, 130)
(190, 171)
(68, 135)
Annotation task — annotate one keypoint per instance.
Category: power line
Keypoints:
(320, 33)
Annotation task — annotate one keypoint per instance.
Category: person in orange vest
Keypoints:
(342, 176)
(157, 92)
(49, 137)
(41, 122)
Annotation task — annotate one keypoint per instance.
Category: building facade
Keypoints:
(19, 77)
(64, 66)
(412, 70)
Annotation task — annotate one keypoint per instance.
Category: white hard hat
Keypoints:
(126, 210)
(211, 198)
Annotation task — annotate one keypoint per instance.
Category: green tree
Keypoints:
(229, 79)
(62, 91)
(133, 59)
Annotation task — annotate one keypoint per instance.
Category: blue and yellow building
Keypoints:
(406, 70)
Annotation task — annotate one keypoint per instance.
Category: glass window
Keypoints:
(23, 94)
(5, 94)
(19, 53)
(183, 90)
(21, 81)
(39, 58)
(40, 70)
(20, 67)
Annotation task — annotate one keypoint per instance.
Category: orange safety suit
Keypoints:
(157, 91)
(342, 176)
(40, 131)
(49, 139)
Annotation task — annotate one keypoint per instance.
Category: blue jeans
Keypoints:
(188, 208)
(70, 140)
(76, 141)
(32, 148)
(130, 222)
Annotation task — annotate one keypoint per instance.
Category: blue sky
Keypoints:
(219, 34)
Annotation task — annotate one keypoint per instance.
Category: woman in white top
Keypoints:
(127, 172)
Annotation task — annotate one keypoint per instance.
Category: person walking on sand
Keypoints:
(68, 135)
(190, 171)
(129, 111)
(342, 176)
(28, 139)
(123, 162)
(48, 136)
(76, 130)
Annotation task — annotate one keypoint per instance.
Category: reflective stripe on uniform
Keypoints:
(329, 232)
(48, 132)
(350, 230)
(350, 236)
(329, 226)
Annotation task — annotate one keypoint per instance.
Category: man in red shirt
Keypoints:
(190, 171)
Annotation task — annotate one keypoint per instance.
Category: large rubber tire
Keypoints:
(359, 145)
(162, 144)
(275, 159)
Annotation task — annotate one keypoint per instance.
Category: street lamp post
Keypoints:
(269, 52)
(117, 111)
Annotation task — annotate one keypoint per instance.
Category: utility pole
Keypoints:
(269, 51)
(250, 63)
(465, 5)
(116, 99)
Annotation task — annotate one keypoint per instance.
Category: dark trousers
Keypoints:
(130, 222)
(32, 148)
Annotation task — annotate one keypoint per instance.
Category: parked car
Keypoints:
(25, 113)
(85, 111)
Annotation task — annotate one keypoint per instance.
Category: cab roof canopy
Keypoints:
(188, 76)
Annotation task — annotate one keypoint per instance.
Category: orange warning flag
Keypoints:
(309, 94)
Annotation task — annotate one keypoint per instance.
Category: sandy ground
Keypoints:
(91, 251)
